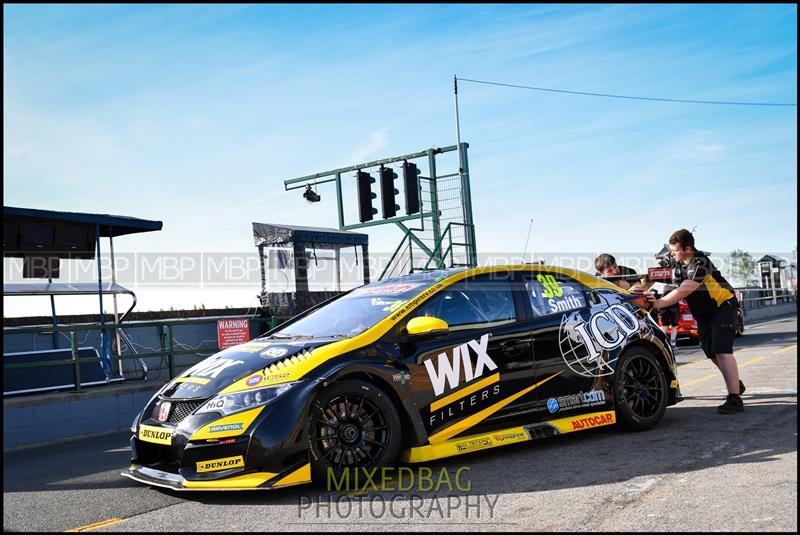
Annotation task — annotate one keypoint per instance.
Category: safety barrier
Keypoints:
(169, 352)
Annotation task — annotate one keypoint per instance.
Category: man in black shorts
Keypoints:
(606, 266)
(713, 304)
(669, 319)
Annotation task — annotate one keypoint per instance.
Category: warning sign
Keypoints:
(232, 331)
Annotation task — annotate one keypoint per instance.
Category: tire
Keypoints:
(352, 425)
(640, 390)
(739, 323)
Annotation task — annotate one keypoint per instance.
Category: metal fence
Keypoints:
(171, 348)
(755, 298)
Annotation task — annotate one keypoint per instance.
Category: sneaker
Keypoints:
(732, 405)
(741, 387)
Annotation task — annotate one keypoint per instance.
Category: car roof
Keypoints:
(449, 276)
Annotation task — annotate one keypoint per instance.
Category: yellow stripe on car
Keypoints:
(503, 437)
(478, 417)
(247, 481)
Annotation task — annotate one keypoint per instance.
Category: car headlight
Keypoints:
(239, 401)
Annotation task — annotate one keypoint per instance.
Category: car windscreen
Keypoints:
(357, 311)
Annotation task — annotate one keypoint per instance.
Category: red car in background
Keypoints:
(687, 325)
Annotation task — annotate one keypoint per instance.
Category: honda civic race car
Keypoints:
(415, 368)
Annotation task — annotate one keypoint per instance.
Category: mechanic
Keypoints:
(606, 266)
(669, 319)
(712, 301)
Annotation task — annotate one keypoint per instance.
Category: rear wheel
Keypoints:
(640, 390)
(353, 425)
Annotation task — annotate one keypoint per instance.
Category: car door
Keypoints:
(559, 304)
(485, 356)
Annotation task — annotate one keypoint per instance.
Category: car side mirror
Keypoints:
(426, 325)
(594, 297)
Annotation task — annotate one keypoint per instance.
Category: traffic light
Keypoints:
(388, 192)
(365, 196)
(411, 183)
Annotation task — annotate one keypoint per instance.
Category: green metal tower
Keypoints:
(445, 231)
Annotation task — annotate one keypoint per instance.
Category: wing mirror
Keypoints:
(427, 325)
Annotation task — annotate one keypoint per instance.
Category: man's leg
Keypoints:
(730, 371)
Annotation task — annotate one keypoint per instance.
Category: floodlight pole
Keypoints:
(463, 174)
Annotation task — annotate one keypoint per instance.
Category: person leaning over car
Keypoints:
(713, 304)
(606, 266)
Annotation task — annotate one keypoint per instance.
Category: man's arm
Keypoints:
(681, 292)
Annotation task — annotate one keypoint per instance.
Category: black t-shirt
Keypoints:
(714, 290)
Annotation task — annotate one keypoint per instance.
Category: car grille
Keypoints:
(179, 411)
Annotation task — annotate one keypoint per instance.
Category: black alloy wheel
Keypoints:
(640, 390)
(352, 425)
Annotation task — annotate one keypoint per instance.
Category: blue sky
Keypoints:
(195, 115)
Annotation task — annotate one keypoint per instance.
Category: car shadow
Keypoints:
(686, 440)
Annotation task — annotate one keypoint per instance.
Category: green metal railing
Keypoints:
(170, 352)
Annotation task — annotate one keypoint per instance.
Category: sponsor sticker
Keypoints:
(163, 411)
(446, 374)
(226, 427)
(509, 436)
(156, 435)
(254, 380)
(251, 348)
(274, 352)
(216, 465)
(387, 289)
(605, 418)
(474, 444)
(575, 401)
(401, 377)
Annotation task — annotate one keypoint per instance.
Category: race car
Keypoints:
(416, 368)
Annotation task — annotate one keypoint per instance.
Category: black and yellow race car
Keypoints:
(415, 368)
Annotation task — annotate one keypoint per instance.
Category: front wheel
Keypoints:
(640, 390)
(353, 425)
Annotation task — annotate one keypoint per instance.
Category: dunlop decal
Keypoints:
(157, 435)
(216, 465)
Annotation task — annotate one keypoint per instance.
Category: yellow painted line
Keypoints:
(467, 390)
(702, 379)
(752, 361)
(97, 525)
(718, 374)
(787, 348)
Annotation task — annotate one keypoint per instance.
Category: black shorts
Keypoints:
(669, 316)
(717, 335)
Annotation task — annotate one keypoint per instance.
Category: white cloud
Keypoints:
(378, 140)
